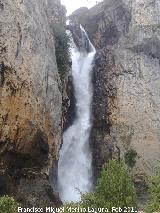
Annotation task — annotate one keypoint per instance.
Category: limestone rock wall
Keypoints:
(126, 105)
(30, 96)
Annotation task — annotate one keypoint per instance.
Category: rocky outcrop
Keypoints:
(126, 104)
(30, 98)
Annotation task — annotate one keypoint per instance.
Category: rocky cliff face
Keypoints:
(30, 98)
(126, 104)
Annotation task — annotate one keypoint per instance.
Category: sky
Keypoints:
(73, 5)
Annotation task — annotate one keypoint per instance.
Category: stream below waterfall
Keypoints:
(75, 161)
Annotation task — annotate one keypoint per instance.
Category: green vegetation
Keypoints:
(62, 45)
(8, 205)
(114, 188)
(154, 189)
(130, 158)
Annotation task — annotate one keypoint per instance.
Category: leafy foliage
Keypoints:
(8, 205)
(62, 45)
(154, 188)
(130, 157)
(114, 188)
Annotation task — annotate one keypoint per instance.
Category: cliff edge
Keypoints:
(30, 99)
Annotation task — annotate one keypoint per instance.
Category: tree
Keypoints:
(8, 205)
(154, 189)
(114, 189)
(62, 49)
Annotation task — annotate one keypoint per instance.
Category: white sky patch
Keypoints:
(73, 5)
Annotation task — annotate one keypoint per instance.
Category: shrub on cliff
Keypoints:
(154, 189)
(130, 158)
(8, 205)
(62, 45)
(114, 188)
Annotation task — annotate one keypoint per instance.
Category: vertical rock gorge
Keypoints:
(126, 106)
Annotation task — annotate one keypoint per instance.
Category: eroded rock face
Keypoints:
(30, 92)
(126, 104)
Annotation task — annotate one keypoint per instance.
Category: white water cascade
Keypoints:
(75, 162)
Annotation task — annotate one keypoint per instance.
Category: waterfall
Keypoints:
(75, 161)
